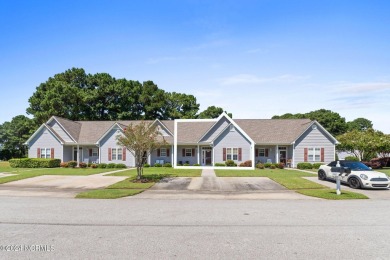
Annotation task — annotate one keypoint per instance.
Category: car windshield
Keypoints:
(356, 166)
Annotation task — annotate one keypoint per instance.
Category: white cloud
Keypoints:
(362, 86)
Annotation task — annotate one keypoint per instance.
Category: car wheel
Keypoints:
(321, 175)
(354, 183)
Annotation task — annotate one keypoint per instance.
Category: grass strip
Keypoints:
(108, 193)
(129, 184)
(331, 194)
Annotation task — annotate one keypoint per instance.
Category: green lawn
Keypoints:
(292, 180)
(167, 172)
(384, 170)
(108, 193)
(129, 184)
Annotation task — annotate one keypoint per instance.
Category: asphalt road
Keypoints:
(194, 229)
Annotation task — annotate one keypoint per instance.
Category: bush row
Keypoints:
(73, 164)
(308, 166)
(34, 163)
(270, 165)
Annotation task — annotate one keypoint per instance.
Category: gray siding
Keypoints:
(45, 139)
(314, 138)
(271, 154)
(57, 128)
(231, 139)
(191, 159)
(68, 153)
(162, 130)
(167, 159)
(110, 141)
(215, 130)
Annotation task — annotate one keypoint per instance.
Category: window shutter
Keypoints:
(266, 152)
(38, 152)
(109, 154)
(158, 153)
(224, 154)
(124, 153)
(257, 152)
(193, 152)
(305, 155)
(167, 152)
(52, 153)
(90, 152)
(183, 152)
(322, 154)
(240, 154)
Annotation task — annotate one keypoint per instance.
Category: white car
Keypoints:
(361, 176)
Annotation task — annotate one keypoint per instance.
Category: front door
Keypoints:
(283, 157)
(80, 154)
(206, 156)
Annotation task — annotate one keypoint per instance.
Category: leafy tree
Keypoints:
(141, 140)
(360, 124)
(212, 112)
(180, 105)
(331, 121)
(13, 135)
(363, 144)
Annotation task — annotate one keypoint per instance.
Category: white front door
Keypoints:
(206, 156)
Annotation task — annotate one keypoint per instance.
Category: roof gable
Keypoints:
(71, 128)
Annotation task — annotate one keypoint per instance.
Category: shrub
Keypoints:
(102, 165)
(168, 165)
(219, 164)
(246, 164)
(146, 165)
(186, 164)
(260, 166)
(351, 158)
(272, 166)
(267, 165)
(94, 166)
(280, 165)
(64, 165)
(196, 164)
(34, 163)
(229, 163)
(120, 166)
(89, 164)
(157, 165)
(72, 164)
(82, 165)
(316, 165)
(304, 165)
(111, 165)
(179, 164)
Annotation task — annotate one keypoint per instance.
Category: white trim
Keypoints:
(39, 129)
(161, 123)
(277, 154)
(198, 154)
(63, 128)
(175, 143)
(293, 156)
(112, 127)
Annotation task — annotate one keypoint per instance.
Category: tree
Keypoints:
(141, 140)
(212, 112)
(360, 124)
(13, 135)
(363, 144)
(180, 105)
(331, 121)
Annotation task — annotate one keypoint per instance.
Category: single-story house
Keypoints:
(190, 141)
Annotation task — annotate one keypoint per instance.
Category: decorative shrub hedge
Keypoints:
(230, 163)
(246, 164)
(157, 165)
(169, 165)
(317, 165)
(219, 164)
(111, 165)
(120, 166)
(260, 166)
(34, 163)
(304, 165)
(72, 164)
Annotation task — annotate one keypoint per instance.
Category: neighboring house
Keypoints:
(197, 141)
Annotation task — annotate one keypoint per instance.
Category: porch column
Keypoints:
(277, 154)
(78, 155)
(293, 156)
(172, 154)
(100, 154)
(198, 155)
(213, 161)
(149, 159)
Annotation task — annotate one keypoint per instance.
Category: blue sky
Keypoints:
(255, 59)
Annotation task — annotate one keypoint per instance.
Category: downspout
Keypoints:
(78, 155)
(198, 154)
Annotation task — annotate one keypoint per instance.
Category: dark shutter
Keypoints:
(224, 154)
(38, 152)
(167, 152)
(183, 152)
(266, 152)
(240, 154)
(90, 152)
(52, 153)
(124, 153)
(109, 154)
(158, 153)
(305, 155)
(322, 154)
(193, 152)
(257, 152)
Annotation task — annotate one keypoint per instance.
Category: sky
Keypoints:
(255, 59)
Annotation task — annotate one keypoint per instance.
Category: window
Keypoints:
(188, 152)
(232, 129)
(262, 152)
(45, 153)
(232, 154)
(282, 148)
(314, 154)
(163, 152)
(119, 154)
(113, 154)
(95, 152)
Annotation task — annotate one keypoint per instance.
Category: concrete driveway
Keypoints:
(383, 194)
(57, 185)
